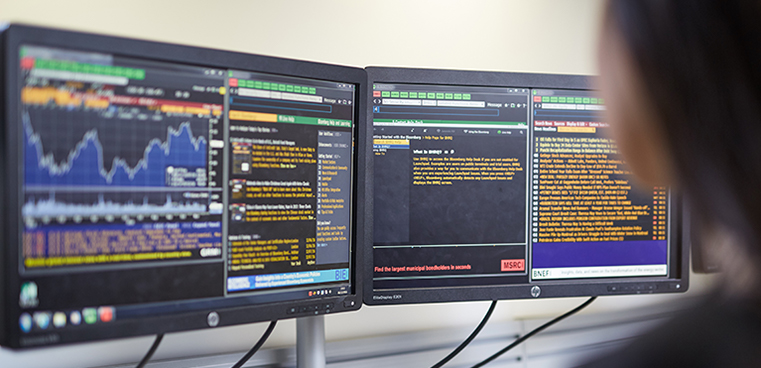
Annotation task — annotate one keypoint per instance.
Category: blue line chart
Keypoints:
(85, 165)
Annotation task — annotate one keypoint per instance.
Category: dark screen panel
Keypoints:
(462, 208)
(505, 185)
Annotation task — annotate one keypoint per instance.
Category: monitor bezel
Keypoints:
(549, 288)
(14, 35)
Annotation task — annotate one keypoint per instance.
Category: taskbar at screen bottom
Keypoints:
(264, 297)
(52, 327)
(65, 320)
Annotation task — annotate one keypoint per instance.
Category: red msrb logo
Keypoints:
(513, 265)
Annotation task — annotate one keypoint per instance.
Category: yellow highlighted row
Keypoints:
(253, 116)
(392, 141)
(97, 104)
(189, 110)
(197, 110)
(172, 108)
(43, 96)
(102, 258)
(576, 130)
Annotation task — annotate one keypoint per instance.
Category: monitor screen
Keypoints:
(148, 189)
(501, 186)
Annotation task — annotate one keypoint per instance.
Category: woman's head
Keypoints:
(682, 80)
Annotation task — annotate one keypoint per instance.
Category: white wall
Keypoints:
(508, 35)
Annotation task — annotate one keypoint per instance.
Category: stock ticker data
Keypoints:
(134, 170)
(478, 186)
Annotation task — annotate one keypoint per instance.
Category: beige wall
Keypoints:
(527, 35)
(541, 36)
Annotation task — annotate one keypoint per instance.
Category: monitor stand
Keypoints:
(310, 342)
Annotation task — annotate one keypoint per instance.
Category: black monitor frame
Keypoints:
(10, 186)
(549, 289)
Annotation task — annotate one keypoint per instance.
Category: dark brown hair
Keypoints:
(700, 63)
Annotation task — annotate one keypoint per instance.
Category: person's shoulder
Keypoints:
(711, 334)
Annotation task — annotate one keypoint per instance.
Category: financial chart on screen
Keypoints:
(147, 182)
(487, 186)
(109, 150)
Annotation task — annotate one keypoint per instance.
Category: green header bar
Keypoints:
(426, 95)
(449, 122)
(573, 100)
(245, 83)
(313, 121)
(70, 66)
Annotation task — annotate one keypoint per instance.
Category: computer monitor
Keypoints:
(151, 188)
(493, 186)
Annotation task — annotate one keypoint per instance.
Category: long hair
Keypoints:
(700, 64)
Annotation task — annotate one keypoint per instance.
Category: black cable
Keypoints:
(150, 352)
(469, 339)
(256, 347)
(534, 332)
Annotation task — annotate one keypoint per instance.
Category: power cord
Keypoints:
(469, 339)
(535, 331)
(150, 352)
(256, 347)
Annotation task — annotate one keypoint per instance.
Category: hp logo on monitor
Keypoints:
(535, 291)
